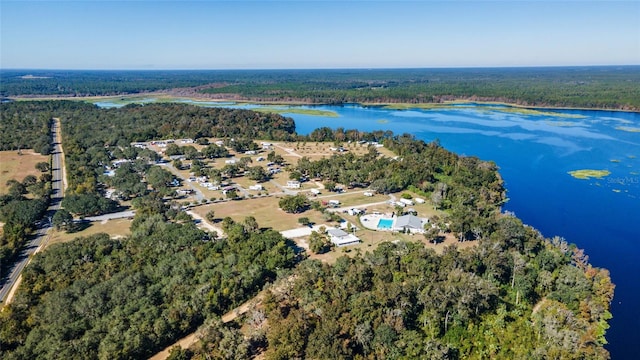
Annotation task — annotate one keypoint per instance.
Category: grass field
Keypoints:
(115, 228)
(352, 198)
(14, 166)
(265, 210)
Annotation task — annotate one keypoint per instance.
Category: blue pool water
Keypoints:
(385, 224)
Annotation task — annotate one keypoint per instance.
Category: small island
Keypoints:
(587, 174)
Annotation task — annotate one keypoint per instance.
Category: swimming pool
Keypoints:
(385, 224)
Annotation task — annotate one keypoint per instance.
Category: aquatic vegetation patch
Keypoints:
(425, 106)
(586, 174)
(628, 128)
(526, 111)
(295, 110)
(561, 123)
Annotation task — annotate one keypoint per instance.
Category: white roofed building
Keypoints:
(340, 238)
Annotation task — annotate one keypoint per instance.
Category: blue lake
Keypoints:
(535, 152)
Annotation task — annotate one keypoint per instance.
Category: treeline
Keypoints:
(100, 298)
(514, 296)
(24, 129)
(21, 208)
(589, 87)
(94, 83)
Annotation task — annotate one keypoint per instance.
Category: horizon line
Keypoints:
(320, 68)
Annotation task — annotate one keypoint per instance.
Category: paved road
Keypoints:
(41, 236)
(283, 189)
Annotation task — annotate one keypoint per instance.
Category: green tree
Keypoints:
(42, 166)
(250, 224)
(295, 175)
(190, 152)
(211, 216)
(257, 173)
(214, 151)
(330, 185)
(318, 243)
(63, 220)
(159, 178)
(173, 149)
(294, 203)
(232, 194)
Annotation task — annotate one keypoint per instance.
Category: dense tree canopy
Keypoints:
(21, 129)
(98, 298)
(503, 299)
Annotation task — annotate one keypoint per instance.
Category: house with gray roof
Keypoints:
(410, 223)
(341, 238)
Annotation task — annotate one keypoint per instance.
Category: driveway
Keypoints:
(112, 216)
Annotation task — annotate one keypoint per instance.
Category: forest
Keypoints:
(96, 83)
(513, 295)
(606, 87)
(99, 298)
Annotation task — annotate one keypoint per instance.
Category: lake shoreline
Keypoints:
(165, 96)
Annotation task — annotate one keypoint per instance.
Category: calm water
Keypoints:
(534, 153)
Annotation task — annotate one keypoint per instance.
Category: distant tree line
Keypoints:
(590, 87)
(93, 83)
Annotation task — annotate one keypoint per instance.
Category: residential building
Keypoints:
(340, 238)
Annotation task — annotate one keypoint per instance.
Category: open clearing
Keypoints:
(265, 210)
(318, 150)
(352, 198)
(14, 166)
(115, 228)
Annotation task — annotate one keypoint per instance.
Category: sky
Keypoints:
(316, 34)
